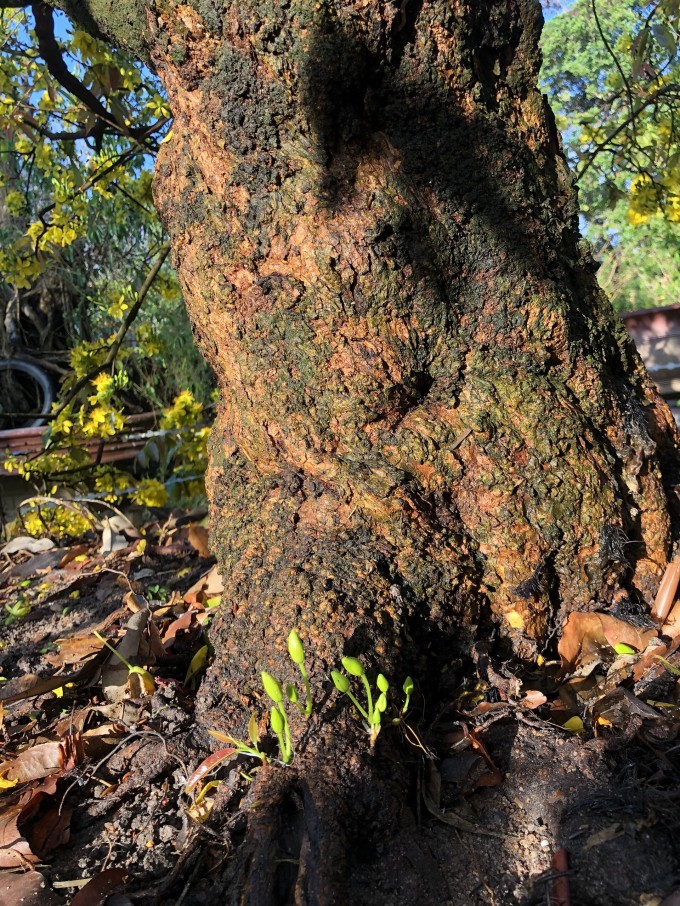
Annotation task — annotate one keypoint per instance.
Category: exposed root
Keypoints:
(308, 823)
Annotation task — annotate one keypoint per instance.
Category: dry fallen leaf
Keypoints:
(37, 762)
(671, 627)
(51, 829)
(533, 699)
(208, 586)
(198, 538)
(115, 675)
(29, 889)
(39, 564)
(667, 591)
(618, 706)
(30, 685)
(207, 766)
(47, 759)
(24, 543)
(181, 624)
(585, 635)
(15, 850)
(100, 888)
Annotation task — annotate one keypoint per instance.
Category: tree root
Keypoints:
(309, 823)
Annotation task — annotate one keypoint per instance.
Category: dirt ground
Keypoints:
(117, 813)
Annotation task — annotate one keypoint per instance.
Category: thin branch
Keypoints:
(652, 99)
(51, 54)
(616, 61)
(50, 51)
(131, 198)
(121, 159)
(120, 334)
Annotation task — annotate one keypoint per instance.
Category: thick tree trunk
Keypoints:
(431, 420)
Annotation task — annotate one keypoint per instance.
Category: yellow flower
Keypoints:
(184, 412)
(104, 384)
(150, 492)
(118, 307)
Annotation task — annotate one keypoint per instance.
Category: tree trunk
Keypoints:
(433, 427)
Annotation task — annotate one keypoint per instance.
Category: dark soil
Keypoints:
(612, 803)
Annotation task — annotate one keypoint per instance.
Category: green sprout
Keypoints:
(297, 656)
(146, 680)
(408, 691)
(241, 747)
(277, 717)
(372, 714)
(18, 610)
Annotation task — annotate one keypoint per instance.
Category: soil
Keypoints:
(611, 802)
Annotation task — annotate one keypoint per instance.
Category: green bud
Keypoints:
(353, 666)
(292, 693)
(272, 687)
(276, 721)
(408, 685)
(340, 681)
(381, 683)
(295, 649)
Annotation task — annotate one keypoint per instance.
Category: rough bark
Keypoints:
(431, 420)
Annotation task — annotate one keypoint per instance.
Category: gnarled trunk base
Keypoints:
(430, 420)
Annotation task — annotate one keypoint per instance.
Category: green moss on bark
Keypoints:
(122, 22)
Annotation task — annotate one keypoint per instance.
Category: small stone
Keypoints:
(166, 833)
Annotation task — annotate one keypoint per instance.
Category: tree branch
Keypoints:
(49, 50)
(633, 115)
(616, 63)
(51, 54)
(120, 334)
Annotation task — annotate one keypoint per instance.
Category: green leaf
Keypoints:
(664, 37)
(292, 693)
(382, 683)
(272, 687)
(381, 703)
(253, 733)
(197, 664)
(295, 649)
(340, 681)
(353, 666)
(621, 648)
(408, 685)
(574, 725)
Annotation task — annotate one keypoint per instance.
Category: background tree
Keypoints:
(80, 125)
(612, 71)
(434, 437)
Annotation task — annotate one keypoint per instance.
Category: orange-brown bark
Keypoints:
(430, 418)
(422, 387)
